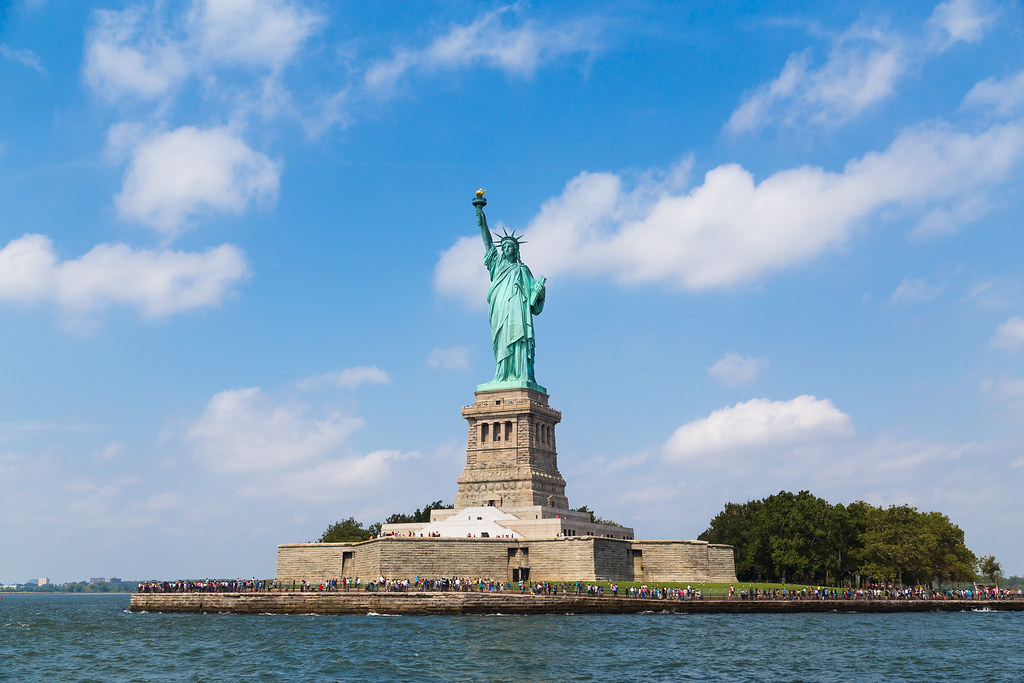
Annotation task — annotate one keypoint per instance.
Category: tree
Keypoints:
(345, 531)
(949, 559)
(421, 515)
(990, 569)
(897, 544)
(593, 516)
(800, 537)
(735, 526)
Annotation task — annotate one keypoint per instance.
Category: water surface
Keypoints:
(94, 637)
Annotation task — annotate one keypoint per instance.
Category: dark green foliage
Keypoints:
(990, 570)
(345, 531)
(1013, 582)
(593, 516)
(350, 530)
(799, 537)
(421, 515)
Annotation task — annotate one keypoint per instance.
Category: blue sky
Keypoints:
(243, 291)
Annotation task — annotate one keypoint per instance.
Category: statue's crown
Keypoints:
(507, 236)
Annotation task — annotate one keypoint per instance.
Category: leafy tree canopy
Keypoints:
(350, 530)
(346, 531)
(420, 515)
(593, 516)
(802, 538)
(990, 570)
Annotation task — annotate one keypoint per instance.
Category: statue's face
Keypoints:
(510, 249)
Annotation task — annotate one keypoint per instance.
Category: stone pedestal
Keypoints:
(510, 456)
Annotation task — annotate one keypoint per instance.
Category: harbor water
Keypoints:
(96, 638)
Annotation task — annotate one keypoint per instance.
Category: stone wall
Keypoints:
(721, 563)
(562, 559)
(613, 560)
(691, 560)
(565, 559)
(437, 557)
(415, 603)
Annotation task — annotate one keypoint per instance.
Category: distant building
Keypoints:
(114, 579)
(97, 579)
(43, 581)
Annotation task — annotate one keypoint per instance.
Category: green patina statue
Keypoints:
(513, 298)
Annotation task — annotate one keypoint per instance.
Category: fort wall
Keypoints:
(553, 559)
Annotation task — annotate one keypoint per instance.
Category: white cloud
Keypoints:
(262, 33)
(734, 370)
(327, 480)
(517, 50)
(348, 378)
(757, 425)
(1010, 335)
(159, 282)
(174, 176)
(134, 52)
(914, 291)
(243, 430)
(730, 229)
(958, 20)
(453, 358)
(23, 57)
(862, 69)
(865, 65)
(1004, 97)
(124, 56)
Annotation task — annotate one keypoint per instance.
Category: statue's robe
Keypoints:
(513, 299)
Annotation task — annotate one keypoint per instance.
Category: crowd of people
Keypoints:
(580, 588)
(205, 586)
(889, 593)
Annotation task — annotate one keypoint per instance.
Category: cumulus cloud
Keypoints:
(1010, 335)
(730, 229)
(487, 41)
(1004, 97)
(864, 66)
(158, 282)
(177, 175)
(125, 57)
(349, 378)
(327, 480)
(261, 33)
(862, 69)
(135, 52)
(454, 358)
(958, 20)
(282, 445)
(756, 425)
(244, 430)
(734, 370)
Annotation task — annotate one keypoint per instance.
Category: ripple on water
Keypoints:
(93, 637)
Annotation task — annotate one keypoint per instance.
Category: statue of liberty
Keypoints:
(513, 298)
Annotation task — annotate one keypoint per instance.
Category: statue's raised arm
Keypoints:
(513, 298)
(480, 202)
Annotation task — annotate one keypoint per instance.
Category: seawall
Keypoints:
(362, 602)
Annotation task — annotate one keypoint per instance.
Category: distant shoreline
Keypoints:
(458, 603)
(3, 593)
